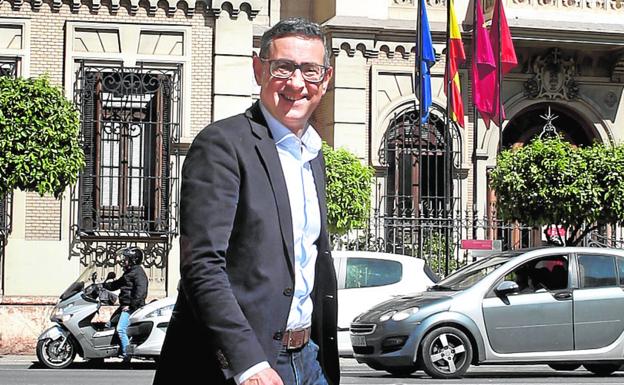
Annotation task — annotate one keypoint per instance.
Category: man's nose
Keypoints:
(296, 79)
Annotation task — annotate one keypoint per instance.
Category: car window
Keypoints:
(471, 274)
(369, 272)
(597, 271)
(542, 274)
(620, 267)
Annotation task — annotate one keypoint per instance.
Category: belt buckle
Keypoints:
(289, 345)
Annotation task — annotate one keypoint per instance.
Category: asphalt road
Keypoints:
(22, 371)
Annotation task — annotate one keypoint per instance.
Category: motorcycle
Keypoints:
(75, 332)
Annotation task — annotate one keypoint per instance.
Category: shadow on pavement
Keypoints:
(108, 365)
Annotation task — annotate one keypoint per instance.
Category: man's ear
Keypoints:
(257, 68)
(328, 75)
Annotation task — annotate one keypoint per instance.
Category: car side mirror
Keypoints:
(506, 287)
(111, 275)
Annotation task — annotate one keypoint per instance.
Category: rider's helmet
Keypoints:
(133, 256)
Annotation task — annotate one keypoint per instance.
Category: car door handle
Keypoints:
(562, 296)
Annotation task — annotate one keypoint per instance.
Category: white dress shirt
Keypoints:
(295, 155)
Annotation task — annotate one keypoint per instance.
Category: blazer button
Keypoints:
(288, 292)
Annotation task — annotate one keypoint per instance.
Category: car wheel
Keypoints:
(400, 371)
(55, 354)
(446, 352)
(564, 366)
(602, 369)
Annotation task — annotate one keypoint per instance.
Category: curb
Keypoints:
(14, 358)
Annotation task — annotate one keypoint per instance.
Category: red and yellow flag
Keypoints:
(456, 57)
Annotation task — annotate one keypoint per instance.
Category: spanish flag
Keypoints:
(456, 56)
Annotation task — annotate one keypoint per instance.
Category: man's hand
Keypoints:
(266, 376)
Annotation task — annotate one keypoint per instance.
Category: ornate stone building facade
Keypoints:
(148, 75)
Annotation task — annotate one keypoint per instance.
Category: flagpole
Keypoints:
(419, 53)
(418, 163)
(499, 71)
(448, 212)
(475, 139)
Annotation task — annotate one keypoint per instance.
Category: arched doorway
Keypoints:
(526, 125)
(421, 194)
(530, 122)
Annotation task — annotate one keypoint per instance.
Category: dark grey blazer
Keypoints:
(236, 259)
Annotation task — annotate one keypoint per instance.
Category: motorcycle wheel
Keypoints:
(49, 354)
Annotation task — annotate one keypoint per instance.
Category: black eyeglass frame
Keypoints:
(295, 67)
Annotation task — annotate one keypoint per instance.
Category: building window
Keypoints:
(418, 161)
(129, 122)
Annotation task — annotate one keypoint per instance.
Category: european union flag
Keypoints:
(427, 60)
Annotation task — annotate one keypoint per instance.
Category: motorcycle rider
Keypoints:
(132, 287)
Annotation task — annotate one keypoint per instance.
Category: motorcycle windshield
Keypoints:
(88, 275)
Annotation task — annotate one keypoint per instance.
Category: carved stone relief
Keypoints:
(554, 77)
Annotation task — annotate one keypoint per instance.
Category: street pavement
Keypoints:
(23, 370)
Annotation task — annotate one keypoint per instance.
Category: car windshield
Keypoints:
(471, 274)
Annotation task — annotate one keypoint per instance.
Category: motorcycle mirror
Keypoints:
(93, 276)
(111, 275)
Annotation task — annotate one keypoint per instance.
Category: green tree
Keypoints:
(349, 184)
(551, 182)
(39, 130)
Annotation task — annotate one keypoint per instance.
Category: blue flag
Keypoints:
(427, 60)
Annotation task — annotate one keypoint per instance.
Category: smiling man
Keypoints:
(257, 297)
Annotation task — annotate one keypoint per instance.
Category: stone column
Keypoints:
(349, 102)
(232, 68)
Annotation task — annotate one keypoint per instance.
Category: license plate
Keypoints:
(358, 340)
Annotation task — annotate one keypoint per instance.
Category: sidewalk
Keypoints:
(17, 359)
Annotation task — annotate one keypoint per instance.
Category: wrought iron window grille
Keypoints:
(130, 131)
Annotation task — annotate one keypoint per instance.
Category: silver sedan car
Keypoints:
(560, 306)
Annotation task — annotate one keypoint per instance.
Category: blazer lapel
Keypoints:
(265, 147)
(318, 170)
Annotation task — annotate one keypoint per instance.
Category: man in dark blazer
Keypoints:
(257, 296)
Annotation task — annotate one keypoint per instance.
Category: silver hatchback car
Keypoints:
(560, 306)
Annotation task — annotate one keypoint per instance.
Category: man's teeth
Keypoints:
(291, 99)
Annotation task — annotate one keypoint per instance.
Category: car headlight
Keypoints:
(398, 315)
(387, 315)
(404, 314)
(160, 312)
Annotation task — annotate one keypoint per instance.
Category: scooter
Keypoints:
(75, 332)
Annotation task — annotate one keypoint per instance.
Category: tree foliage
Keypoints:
(551, 182)
(349, 184)
(39, 130)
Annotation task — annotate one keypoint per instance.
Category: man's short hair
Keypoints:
(293, 26)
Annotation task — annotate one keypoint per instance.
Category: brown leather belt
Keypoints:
(296, 339)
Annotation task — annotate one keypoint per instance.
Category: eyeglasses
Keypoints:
(284, 69)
